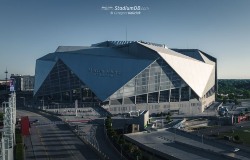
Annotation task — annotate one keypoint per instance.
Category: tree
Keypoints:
(121, 140)
(168, 118)
(218, 96)
(237, 138)
(236, 102)
(231, 96)
(128, 147)
(224, 100)
(137, 153)
(246, 110)
(115, 137)
(108, 122)
(246, 93)
(1, 116)
(111, 132)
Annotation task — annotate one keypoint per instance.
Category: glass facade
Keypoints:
(156, 83)
(62, 85)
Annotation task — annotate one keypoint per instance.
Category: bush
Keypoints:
(1, 116)
(19, 138)
(237, 138)
(121, 140)
(168, 118)
(137, 153)
(128, 147)
(19, 146)
(19, 152)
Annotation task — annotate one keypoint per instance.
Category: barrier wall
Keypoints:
(25, 126)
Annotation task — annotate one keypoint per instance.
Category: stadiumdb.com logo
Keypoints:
(125, 10)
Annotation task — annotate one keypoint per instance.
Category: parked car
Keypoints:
(35, 121)
(236, 149)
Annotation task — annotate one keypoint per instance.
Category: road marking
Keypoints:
(47, 124)
(39, 133)
(65, 144)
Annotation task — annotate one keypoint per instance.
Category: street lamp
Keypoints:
(42, 100)
(57, 106)
(23, 100)
(202, 138)
(121, 151)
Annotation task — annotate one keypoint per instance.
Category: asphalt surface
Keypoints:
(183, 145)
(52, 139)
(221, 147)
(91, 129)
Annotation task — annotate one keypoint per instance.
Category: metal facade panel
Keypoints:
(42, 70)
(167, 51)
(104, 74)
(70, 48)
(192, 70)
(196, 74)
(109, 52)
(206, 60)
(211, 82)
(194, 53)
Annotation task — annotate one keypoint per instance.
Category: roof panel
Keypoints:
(70, 48)
(196, 74)
(101, 72)
(194, 53)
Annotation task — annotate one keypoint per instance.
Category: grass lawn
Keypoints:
(19, 150)
(243, 133)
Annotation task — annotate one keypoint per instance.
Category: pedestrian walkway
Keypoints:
(29, 152)
(48, 124)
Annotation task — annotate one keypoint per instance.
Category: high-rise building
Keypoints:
(23, 82)
(128, 75)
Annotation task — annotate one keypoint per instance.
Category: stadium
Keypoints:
(123, 76)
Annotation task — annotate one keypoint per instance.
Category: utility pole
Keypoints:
(6, 79)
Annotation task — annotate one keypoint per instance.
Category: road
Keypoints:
(182, 145)
(91, 129)
(225, 149)
(51, 139)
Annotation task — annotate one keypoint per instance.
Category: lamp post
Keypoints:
(58, 109)
(121, 151)
(6, 79)
(23, 100)
(43, 103)
(202, 138)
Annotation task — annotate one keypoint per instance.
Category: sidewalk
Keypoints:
(28, 152)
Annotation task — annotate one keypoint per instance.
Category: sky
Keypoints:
(30, 29)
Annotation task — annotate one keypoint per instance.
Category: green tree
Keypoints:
(115, 137)
(231, 96)
(1, 116)
(224, 100)
(137, 153)
(246, 110)
(246, 93)
(218, 97)
(121, 140)
(111, 132)
(237, 138)
(236, 102)
(108, 122)
(168, 118)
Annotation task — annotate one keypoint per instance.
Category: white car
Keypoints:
(236, 149)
